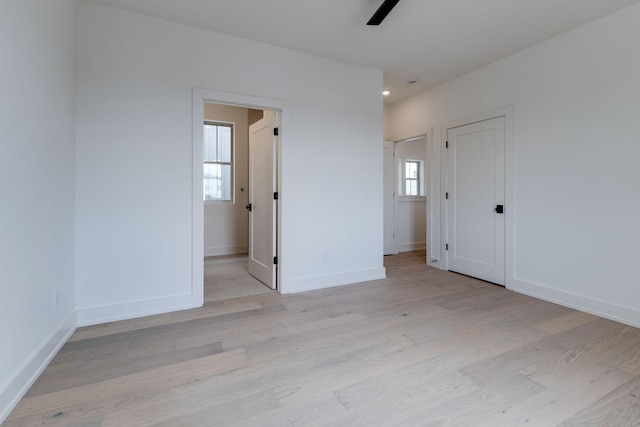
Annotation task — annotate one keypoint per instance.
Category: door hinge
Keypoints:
(275, 131)
(446, 144)
(446, 247)
(275, 260)
(446, 196)
(275, 196)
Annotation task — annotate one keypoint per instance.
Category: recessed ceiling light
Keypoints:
(412, 80)
(385, 92)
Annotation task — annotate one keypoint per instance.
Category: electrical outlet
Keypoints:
(56, 298)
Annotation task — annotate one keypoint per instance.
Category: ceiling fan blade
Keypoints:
(382, 12)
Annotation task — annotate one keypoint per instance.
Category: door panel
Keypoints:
(262, 185)
(475, 183)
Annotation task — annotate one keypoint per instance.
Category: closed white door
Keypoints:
(262, 203)
(475, 204)
(389, 197)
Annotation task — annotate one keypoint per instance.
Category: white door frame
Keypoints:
(427, 182)
(200, 96)
(391, 145)
(431, 173)
(509, 210)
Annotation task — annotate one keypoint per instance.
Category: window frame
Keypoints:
(402, 179)
(407, 179)
(231, 164)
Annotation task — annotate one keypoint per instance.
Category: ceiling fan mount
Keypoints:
(382, 12)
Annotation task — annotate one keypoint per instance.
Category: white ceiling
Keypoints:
(431, 40)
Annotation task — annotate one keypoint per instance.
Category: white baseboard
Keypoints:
(331, 280)
(24, 378)
(593, 306)
(130, 310)
(225, 250)
(414, 246)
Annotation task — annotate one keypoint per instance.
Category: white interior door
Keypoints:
(475, 186)
(262, 204)
(389, 195)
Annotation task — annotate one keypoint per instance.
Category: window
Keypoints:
(218, 161)
(412, 178)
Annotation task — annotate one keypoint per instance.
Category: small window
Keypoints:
(411, 178)
(218, 161)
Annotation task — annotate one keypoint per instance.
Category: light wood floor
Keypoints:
(421, 348)
(227, 277)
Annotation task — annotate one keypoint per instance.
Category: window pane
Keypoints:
(411, 170)
(212, 181)
(210, 143)
(217, 182)
(217, 143)
(407, 187)
(411, 187)
(224, 144)
(226, 182)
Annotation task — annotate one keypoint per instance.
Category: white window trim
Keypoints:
(402, 181)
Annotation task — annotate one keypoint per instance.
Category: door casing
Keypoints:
(199, 97)
(398, 199)
(508, 112)
(390, 247)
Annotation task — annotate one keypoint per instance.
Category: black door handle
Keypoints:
(500, 209)
(249, 207)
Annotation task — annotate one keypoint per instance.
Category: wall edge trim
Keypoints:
(24, 378)
(225, 250)
(134, 309)
(332, 280)
(597, 307)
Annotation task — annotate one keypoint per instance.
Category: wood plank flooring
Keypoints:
(227, 277)
(421, 348)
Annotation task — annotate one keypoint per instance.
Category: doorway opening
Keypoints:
(405, 195)
(231, 161)
(235, 197)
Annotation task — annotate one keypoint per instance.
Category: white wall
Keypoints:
(37, 188)
(575, 174)
(226, 224)
(134, 172)
(411, 211)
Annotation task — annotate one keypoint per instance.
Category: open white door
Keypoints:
(389, 199)
(262, 203)
(475, 205)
